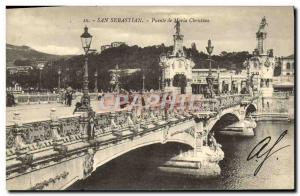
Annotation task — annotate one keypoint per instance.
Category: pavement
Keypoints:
(37, 112)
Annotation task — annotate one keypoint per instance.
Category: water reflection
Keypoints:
(138, 170)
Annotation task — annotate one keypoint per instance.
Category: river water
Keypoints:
(137, 170)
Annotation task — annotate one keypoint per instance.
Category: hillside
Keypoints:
(145, 59)
(26, 54)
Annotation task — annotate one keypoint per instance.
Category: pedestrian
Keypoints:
(100, 95)
(69, 99)
(66, 94)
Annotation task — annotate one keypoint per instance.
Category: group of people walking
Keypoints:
(66, 97)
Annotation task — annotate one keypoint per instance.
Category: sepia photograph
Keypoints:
(150, 98)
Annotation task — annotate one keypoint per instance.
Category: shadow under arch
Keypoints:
(250, 109)
(225, 120)
(105, 155)
(136, 161)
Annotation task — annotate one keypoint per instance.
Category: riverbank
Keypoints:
(272, 117)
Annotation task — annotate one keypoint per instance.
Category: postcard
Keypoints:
(145, 98)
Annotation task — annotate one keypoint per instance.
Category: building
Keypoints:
(258, 72)
(112, 45)
(285, 81)
(176, 67)
(18, 69)
(287, 65)
(262, 64)
(104, 47)
(225, 81)
(117, 44)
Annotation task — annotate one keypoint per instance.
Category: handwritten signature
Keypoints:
(257, 151)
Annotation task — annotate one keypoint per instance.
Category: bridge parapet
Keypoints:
(38, 134)
(30, 146)
(221, 102)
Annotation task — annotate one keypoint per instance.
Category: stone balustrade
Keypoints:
(38, 134)
(60, 136)
(36, 99)
(45, 98)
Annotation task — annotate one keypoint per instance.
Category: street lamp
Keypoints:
(218, 71)
(162, 61)
(209, 50)
(143, 82)
(86, 40)
(40, 67)
(96, 81)
(209, 78)
(159, 80)
(58, 83)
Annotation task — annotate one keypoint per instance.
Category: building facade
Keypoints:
(285, 81)
(117, 44)
(104, 47)
(111, 45)
(258, 75)
(176, 67)
(225, 81)
(18, 69)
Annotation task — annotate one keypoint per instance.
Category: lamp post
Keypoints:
(40, 67)
(159, 80)
(117, 79)
(209, 50)
(219, 89)
(163, 78)
(143, 82)
(209, 78)
(86, 39)
(58, 82)
(96, 81)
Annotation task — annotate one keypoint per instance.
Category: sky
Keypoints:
(57, 30)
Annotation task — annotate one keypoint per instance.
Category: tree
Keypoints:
(20, 62)
(180, 80)
(277, 71)
(127, 57)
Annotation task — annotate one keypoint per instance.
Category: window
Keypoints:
(288, 66)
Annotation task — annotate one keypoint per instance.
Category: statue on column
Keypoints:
(262, 24)
(177, 27)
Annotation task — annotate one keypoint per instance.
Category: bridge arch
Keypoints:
(232, 114)
(105, 155)
(225, 120)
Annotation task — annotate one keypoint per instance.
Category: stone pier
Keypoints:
(201, 164)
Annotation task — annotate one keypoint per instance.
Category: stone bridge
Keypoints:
(53, 154)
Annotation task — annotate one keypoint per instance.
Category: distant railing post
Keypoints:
(21, 147)
(28, 99)
(54, 125)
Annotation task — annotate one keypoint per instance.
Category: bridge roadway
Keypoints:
(53, 154)
(34, 112)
